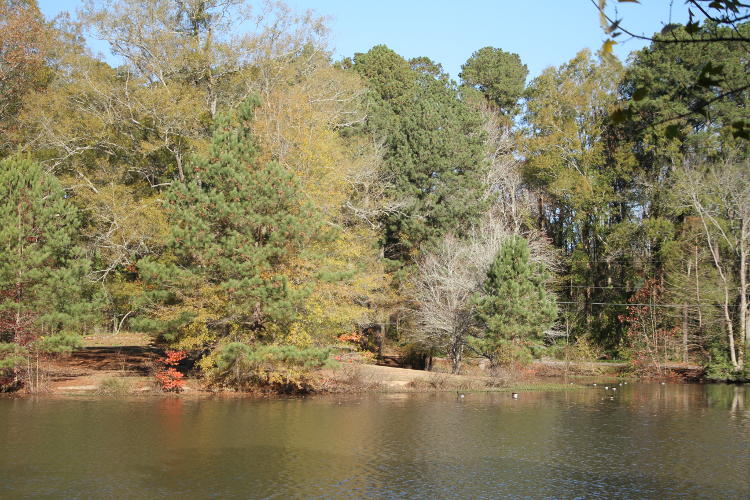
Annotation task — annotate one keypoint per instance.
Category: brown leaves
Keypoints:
(24, 42)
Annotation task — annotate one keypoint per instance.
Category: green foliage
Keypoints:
(500, 76)
(433, 150)
(43, 283)
(674, 89)
(60, 343)
(629, 171)
(12, 356)
(588, 181)
(19, 364)
(720, 368)
(514, 307)
(238, 224)
(283, 368)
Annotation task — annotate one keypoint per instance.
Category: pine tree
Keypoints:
(433, 150)
(238, 226)
(43, 285)
(500, 76)
(514, 307)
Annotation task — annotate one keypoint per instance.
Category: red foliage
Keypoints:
(173, 358)
(169, 379)
(649, 330)
(356, 338)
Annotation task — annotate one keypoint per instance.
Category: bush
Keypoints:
(113, 386)
(60, 343)
(281, 368)
(510, 353)
(168, 378)
(12, 356)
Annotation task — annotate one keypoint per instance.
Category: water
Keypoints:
(651, 441)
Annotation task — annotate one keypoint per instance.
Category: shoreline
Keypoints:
(123, 366)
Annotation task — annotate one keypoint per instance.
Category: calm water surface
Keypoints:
(651, 441)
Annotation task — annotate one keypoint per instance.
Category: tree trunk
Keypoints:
(456, 354)
(684, 334)
(180, 170)
(743, 315)
(698, 291)
(713, 248)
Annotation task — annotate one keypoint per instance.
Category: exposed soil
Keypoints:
(129, 360)
(127, 356)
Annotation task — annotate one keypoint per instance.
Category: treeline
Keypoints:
(233, 190)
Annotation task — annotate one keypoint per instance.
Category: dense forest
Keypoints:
(236, 192)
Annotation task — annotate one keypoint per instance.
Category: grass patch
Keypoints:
(442, 385)
(113, 386)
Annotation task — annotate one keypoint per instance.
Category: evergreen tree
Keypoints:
(433, 154)
(238, 224)
(514, 307)
(43, 284)
(500, 76)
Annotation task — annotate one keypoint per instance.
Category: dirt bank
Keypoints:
(125, 363)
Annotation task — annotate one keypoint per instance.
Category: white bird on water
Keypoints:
(514, 395)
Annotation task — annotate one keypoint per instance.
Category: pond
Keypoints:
(642, 441)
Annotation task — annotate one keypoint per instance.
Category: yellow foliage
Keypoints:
(297, 126)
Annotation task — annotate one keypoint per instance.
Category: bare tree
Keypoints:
(504, 187)
(719, 194)
(447, 278)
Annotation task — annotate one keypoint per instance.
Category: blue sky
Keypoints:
(542, 32)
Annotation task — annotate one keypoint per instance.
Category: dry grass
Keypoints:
(114, 386)
(348, 378)
(121, 339)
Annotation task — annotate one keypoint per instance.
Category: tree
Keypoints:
(649, 333)
(718, 194)
(584, 177)
(721, 13)
(675, 90)
(433, 150)
(505, 189)
(500, 76)
(446, 280)
(118, 137)
(514, 306)
(239, 227)
(44, 288)
(187, 60)
(24, 42)
(711, 26)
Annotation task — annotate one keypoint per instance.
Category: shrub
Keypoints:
(169, 379)
(60, 343)
(12, 356)
(282, 368)
(113, 386)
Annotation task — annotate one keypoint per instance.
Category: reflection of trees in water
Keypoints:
(738, 399)
(727, 397)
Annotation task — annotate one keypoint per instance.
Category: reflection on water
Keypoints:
(650, 441)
